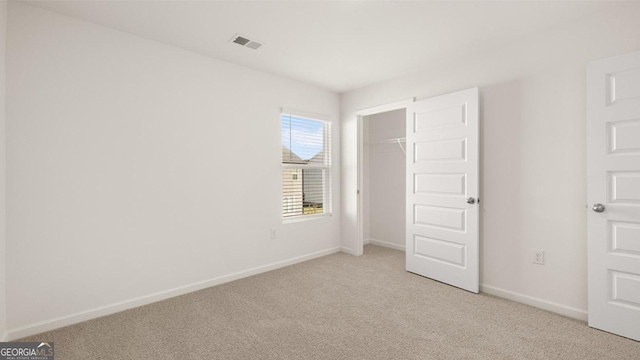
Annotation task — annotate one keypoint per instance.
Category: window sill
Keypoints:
(300, 218)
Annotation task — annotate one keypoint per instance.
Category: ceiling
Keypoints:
(337, 45)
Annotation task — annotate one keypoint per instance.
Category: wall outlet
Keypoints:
(274, 233)
(538, 257)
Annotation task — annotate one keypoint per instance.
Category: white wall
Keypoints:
(386, 179)
(532, 151)
(132, 171)
(3, 168)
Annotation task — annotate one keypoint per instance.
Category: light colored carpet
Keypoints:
(337, 307)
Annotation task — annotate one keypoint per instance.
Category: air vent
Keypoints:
(246, 42)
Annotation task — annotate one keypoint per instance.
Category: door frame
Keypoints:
(360, 114)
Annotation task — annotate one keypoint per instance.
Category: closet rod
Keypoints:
(398, 141)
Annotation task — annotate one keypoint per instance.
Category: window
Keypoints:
(306, 166)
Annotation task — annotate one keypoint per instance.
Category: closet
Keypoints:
(384, 179)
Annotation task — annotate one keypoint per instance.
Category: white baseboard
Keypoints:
(535, 302)
(385, 244)
(347, 250)
(366, 241)
(71, 319)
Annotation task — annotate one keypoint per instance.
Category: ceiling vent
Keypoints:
(246, 42)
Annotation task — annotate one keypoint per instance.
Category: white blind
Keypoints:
(306, 173)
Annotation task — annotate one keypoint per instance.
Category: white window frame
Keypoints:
(326, 166)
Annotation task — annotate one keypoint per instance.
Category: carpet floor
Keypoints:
(337, 307)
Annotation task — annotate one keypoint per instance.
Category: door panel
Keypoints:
(453, 149)
(625, 187)
(613, 180)
(623, 85)
(441, 217)
(453, 116)
(624, 237)
(625, 289)
(442, 171)
(450, 252)
(624, 137)
(443, 184)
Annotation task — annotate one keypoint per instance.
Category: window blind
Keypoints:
(306, 172)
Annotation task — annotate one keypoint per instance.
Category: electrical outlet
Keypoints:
(538, 257)
(274, 233)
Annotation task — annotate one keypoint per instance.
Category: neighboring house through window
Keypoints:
(306, 166)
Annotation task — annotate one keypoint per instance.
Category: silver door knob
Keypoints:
(471, 200)
(598, 207)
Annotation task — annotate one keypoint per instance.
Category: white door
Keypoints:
(442, 189)
(613, 193)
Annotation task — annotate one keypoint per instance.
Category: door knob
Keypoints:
(471, 200)
(598, 208)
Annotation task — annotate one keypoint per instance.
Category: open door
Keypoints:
(613, 193)
(442, 233)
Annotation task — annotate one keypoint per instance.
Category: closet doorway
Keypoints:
(382, 176)
(384, 179)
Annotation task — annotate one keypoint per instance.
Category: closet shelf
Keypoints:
(398, 141)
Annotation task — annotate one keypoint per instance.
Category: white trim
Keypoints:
(94, 313)
(305, 114)
(348, 251)
(366, 241)
(299, 218)
(304, 166)
(564, 310)
(385, 107)
(4, 338)
(386, 244)
(360, 190)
